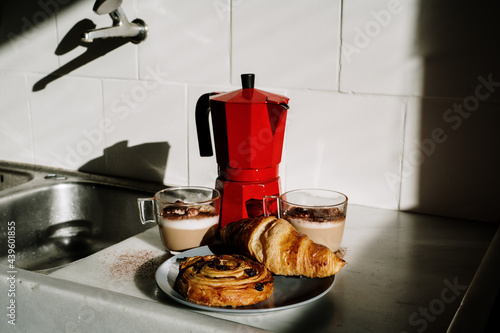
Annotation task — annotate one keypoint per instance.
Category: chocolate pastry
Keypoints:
(224, 280)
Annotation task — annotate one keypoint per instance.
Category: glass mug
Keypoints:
(187, 216)
(318, 213)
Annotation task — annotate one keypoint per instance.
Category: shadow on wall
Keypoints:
(72, 40)
(458, 155)
(146, 161)
(21, 17)
(18, 19)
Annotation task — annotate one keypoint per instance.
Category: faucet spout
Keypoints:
(136, 30)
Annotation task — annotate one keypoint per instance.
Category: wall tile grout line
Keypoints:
(339, 51)
(403, 140)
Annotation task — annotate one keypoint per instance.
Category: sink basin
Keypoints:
(59, 219)
(11, 178)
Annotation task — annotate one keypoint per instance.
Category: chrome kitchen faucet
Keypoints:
(136, 30)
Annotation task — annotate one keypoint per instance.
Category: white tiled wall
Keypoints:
(388, 104)
(105, 66)
(287, 44)
(379, 53)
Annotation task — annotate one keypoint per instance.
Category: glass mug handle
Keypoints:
(146, 210)
(267, 202)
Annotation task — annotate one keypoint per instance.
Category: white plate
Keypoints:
(289, 292)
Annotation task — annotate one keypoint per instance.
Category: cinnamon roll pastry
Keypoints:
(224, 280)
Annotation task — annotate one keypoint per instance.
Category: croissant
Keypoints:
(282, 249)
(224, 280)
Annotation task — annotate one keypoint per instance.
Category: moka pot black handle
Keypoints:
(203, 124)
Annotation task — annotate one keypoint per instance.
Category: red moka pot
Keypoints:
(249, 128)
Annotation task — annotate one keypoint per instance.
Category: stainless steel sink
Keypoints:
(59, 217)
(11, 177)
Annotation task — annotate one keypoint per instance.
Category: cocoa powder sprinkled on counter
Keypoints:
(122, 266)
